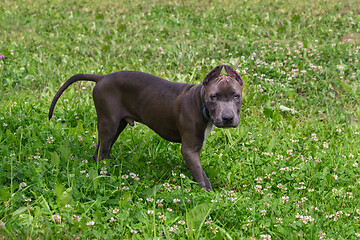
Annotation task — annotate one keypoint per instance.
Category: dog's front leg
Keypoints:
(192, 158)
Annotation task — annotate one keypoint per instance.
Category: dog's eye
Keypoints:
(213, 96)
(236, 95)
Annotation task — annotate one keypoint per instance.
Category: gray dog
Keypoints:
(178, 112)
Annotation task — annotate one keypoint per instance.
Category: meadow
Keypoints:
(288, 171)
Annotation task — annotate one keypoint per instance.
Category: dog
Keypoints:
(178, 112)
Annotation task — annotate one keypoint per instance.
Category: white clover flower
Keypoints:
(56, 218)
(90, 223)
(76, 218)
(181, 222)
(263, 212)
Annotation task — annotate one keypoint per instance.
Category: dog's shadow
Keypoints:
(141, 151)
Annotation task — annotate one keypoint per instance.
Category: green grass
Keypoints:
(289, 171)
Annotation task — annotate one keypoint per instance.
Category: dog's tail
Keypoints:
(75, 78)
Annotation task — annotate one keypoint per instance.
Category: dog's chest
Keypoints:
(209, 128)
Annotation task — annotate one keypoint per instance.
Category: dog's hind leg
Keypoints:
(108, 132)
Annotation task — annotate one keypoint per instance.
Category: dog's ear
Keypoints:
(213, 74)
(232, 73)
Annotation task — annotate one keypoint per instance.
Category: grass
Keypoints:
(290, 170)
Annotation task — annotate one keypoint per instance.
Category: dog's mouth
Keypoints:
(226, 125)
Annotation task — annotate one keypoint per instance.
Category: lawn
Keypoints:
(288, 171)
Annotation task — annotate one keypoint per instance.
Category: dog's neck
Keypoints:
(203, 106)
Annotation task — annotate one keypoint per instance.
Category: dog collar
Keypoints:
(203, 106)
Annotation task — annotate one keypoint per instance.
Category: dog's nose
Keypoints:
(228, 117)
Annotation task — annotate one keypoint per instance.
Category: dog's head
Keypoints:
(222, 97)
